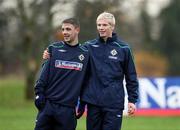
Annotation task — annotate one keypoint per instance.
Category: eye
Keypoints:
(68, 29)
(105, 25)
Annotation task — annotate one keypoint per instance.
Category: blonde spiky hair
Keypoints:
(110, 17)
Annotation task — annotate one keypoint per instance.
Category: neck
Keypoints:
(105, 39)
(73, 43)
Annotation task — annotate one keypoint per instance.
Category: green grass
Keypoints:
(18, 114)
(151, 123)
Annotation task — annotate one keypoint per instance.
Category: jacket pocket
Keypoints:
(113, 95)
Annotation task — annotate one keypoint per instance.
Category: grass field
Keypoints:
(18, 114)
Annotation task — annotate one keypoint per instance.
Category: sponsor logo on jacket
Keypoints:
(68, 65)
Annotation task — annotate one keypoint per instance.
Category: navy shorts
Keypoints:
(56, 117)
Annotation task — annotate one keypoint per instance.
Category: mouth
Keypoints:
(102, 33)
(66, 36)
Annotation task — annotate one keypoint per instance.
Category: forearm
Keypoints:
(42, 81)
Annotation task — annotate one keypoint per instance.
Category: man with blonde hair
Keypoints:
(111, 61)
(107, 16)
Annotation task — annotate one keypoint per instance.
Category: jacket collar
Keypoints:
(109, 39)
(71, 45)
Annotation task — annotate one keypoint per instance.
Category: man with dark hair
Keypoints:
(61, 80)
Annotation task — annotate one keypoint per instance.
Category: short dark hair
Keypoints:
(72, 21)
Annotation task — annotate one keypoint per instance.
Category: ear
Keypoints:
(112, 27)
(78, 29)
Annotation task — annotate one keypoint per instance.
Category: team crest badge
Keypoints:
(81, 57)
(113, 52)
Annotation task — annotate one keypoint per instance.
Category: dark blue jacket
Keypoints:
(63, 75)
(110, 62)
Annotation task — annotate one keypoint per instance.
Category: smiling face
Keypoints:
(105, 25)
(104, 28)
(70, 33)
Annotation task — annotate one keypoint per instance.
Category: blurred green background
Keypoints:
(18, 114)
(27, 27)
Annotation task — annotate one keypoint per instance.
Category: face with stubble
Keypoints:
(70, 32)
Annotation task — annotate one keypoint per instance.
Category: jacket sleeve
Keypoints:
(86, 79)
(131, 77)
(42, 81)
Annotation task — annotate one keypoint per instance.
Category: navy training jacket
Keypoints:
(110, 63)
(63, 75)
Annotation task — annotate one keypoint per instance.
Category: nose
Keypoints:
(100, 27)
(64, 32)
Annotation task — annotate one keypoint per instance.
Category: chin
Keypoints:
(66, 40)
(102, 36)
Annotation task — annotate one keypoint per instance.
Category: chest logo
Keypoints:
(113, 52)
(61, 50)
(81, 57)
(68, 65)
(95, 45)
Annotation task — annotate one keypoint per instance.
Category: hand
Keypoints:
(40, 101)
(46, 54)
(80, 110)
(131, 108)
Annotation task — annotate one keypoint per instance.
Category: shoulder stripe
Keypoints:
(120, 45)
(94, 41)
(57, 45)
(83, 48)
(125, 46)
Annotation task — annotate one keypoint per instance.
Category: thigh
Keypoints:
(94, 117)
(65, 118)
(112, 119)
(43, 121)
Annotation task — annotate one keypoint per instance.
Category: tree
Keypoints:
(3, 26)
(169, 40)
(146, 23)
(34, 30)
(5, 46)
